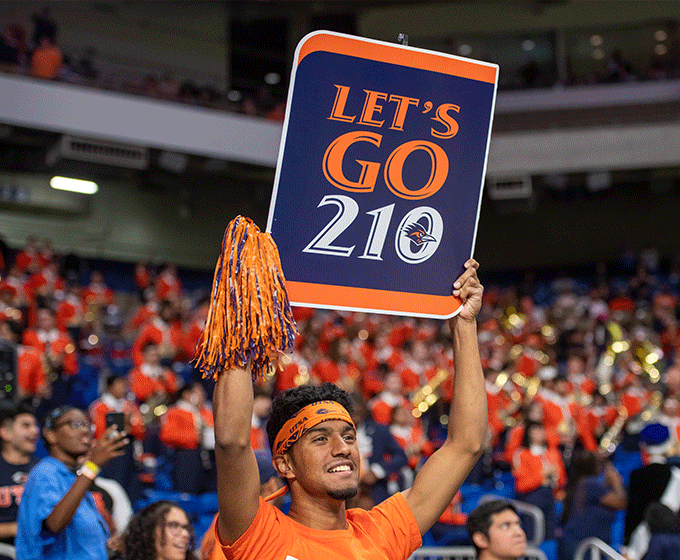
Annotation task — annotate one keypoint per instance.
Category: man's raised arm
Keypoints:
(238, 481)
(440, 478)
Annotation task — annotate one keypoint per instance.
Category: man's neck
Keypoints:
(317, 513)
(15, 457)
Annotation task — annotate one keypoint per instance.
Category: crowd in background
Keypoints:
(577, 368)
(41, 56)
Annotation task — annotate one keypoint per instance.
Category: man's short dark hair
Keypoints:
(288, 402)
(9, 412)
(111, 379)
(480, 520)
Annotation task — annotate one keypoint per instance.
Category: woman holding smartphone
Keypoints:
(58, 518)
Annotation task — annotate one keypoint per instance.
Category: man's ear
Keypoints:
(4, 431)
(49, 436)
(284, 466)
(481, 540)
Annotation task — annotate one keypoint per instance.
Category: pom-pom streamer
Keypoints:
(250, 318)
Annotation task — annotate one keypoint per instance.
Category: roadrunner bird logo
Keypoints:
(417, 234)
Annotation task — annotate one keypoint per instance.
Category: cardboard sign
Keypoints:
(380, 173)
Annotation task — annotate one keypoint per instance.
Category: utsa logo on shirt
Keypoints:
(8, 494)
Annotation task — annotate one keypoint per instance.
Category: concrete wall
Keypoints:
(122, 222)
(445, 19)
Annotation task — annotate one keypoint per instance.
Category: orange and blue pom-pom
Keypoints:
(250, 319)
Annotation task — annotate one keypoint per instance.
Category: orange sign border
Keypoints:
(369, 300)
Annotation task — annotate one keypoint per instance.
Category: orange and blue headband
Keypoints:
(305, 419)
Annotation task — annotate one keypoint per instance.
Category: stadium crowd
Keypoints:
(579, 371)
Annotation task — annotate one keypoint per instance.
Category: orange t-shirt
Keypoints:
(387, 532)
(46, 62)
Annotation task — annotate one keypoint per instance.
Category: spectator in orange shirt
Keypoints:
(31, 381)
(165, 331)
(58, 353)
(143, 315)
(339, 367)
(46, 60)
(539, 473)
(70, 314)
(384, 403)
(187, 428)
(114, 399)
(44, 287)
(150, 377)
(168, 284)
(408, 431)
(143, 280)
(10, 303)
(27, 260)
(533, 412)
(97, 293)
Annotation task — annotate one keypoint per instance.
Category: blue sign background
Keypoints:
(296, 218)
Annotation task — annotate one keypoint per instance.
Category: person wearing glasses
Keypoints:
(160, 531)
(58, 516)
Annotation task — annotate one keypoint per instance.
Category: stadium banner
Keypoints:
(380, 172)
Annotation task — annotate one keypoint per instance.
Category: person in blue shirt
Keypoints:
(594, 494)
(58, 517)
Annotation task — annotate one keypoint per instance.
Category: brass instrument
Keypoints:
(531, 385)
(610, 439)
(637, 422)
(154, 407)
(506, 416)
(426, 396)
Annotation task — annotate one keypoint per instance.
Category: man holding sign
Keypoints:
(399, 152)
(315, 451)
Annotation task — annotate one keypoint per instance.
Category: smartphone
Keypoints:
(116, 419)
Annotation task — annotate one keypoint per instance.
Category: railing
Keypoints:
(597, 548)
(465, 553)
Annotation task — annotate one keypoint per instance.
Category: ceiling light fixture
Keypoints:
(73, 185)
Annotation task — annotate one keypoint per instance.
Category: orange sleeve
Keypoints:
(71, 361)
(552, 415)
(30, 338)
(513, 442)
(98, 416)
(30, 374)
(178, 430)
(139, 318)
(137, 428)
(63, 314)
(382, 412)
(586, 434)
(528, 471)
(169, 382)
(553, 438)
(611, 415)
(145, 336)
(141, 385)
(257, 438)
